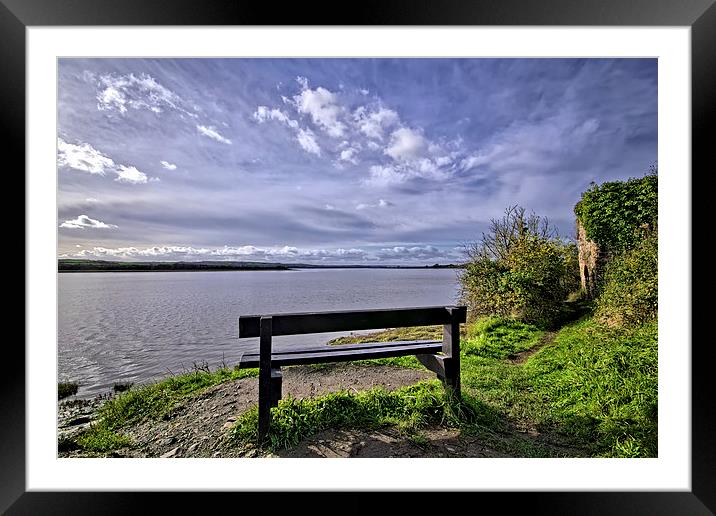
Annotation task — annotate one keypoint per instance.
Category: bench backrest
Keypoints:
(320, 322)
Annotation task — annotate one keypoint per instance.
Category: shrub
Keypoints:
(520, 270)
(629, 295)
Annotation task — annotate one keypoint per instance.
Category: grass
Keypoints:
(153, 401)
(409, 408)
(601, 385)
(593, 390)
(496, 337)
(66, 389)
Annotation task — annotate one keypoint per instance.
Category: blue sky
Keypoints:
(390, 161)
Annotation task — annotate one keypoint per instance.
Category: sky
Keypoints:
(336, 161)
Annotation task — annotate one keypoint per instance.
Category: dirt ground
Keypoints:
(199, 426)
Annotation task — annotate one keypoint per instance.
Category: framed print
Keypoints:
(244, 136)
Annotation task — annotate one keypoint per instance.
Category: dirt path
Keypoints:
(199, 426)
(521, 358)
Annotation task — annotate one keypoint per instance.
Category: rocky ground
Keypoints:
(197, 428)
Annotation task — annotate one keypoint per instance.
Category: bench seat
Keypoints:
(344, 353)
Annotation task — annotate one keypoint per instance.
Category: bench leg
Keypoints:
(451, 350)
(276, 381)
(265, 382)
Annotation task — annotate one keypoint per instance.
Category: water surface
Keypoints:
(142, 326)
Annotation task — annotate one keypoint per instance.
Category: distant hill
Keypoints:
(71, 265)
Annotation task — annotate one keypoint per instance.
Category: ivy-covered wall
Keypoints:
(613, 218)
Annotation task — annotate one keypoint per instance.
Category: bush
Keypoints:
(66, 389)
(615, 214)
(520, 270)
(629, 295)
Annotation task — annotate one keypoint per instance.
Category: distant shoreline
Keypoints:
(112, 266)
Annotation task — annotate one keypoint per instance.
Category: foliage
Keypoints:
(601, 384)
(614, 214)
(519, 270)
(629, 295)
(66, 389)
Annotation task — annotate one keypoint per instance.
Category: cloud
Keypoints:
(349, 155)
(411, 253)
(212, 133)
(284, 253)
(131, 175)
(307, 140)
(83, 221)
(82, 157)
(167, 165)
(382, 203)
(129, 91)
(88, 159)
(372, 124)
(263, 114)
(385, 175)
(322, 106)
(405, 144)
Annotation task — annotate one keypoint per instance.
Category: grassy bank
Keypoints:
(153, 401)
(588, 390)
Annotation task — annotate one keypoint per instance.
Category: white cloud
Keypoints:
(307, 140)
(349, 155)
(91, 199)
(82, 157)
(405, 144)
(322, 106)
(383, 176)
(88, 159)
(382, 203)
(374, 123)
(123, 92)
(131, 175)
(263, 114)
(248, 252)
(167, 165)
(212, 133)
(83, 221)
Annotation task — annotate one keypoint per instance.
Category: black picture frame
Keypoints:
(699, 15)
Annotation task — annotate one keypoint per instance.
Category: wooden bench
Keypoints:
(439, 356)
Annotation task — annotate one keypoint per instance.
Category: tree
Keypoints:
(520, 269)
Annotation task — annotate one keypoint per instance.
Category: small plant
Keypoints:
(66, 389)
(122, 386)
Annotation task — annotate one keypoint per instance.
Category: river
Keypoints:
(142, 326)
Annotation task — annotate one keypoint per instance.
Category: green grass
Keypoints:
(593, 390)
(409, 408)
(394, 334)
(601, 385)
(496, 337)
(153, 401)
